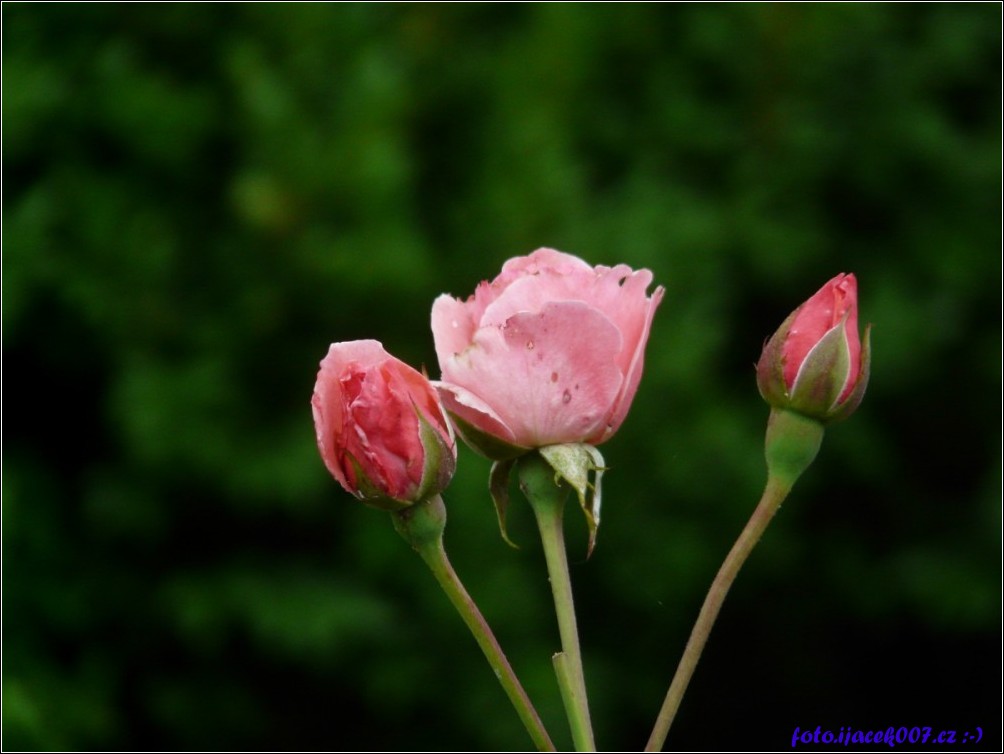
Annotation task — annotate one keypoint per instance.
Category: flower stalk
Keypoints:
(791, 445)
(773, 495)
(547, 498)
(422, 527)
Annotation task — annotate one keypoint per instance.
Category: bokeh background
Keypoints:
(198, 199)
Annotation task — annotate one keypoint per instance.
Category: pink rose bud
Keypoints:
(815, 364)
(550, 352)
(380, 427)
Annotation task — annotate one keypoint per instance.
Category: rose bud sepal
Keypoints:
(850, 403)
(440, 458)
(369, 493)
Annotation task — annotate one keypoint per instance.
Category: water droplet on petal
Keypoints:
(554, 376)
(566, 397)
(529, 345)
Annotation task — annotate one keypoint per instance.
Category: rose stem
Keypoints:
(434, 555)
(773, 495)
(547, 500)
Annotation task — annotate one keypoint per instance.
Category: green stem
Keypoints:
(422, 526)
(547, 500)
(773, 495)
(575, 704)
(435, 557)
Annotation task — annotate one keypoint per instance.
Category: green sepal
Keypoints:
(573, 463)
(852, 401)
(770, 368)
(440, 458)
(823, 375)
(371, 494)
(498, 486)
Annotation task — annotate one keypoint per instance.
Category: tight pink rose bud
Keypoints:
(550, 352)
(815, 363)
(380, 427)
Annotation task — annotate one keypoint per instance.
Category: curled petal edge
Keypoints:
(479, 426)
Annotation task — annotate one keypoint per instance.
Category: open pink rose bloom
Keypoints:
(380, 428)
(549, 352)
(816, 363)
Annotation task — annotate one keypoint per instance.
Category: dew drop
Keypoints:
(554, 376)
(566, 397)
(529, 345)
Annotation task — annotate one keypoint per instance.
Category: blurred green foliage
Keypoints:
(198, 198)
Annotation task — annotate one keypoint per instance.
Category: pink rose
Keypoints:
(815, 363)
(380, 428)
(549, 352)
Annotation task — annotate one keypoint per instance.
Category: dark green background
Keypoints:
(198, 199)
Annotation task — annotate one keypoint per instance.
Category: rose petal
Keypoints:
(453, 326)
(620, 293)
(326, 402)
(422, 395)
(467, 406)
(639, 332)
(363, 352)
(817, 316)
(540, 260)
(386, 430)
(554, 263)
(548, 375)
(617, 292)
